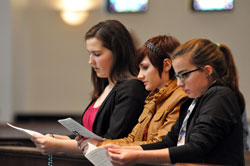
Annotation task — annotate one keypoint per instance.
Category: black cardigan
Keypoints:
(214, 131)
(121, 109)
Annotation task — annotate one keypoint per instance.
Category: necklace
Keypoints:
(50, 159)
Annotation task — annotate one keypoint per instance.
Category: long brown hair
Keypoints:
(160, 48)
(204, 52)
(115, 37)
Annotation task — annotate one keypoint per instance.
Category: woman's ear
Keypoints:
(167, 64)
(208, 69)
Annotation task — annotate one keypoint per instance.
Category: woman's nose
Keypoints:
(179, 83)
(140, 75)
(91, 60)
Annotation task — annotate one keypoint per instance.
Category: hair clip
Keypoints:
(152, 47)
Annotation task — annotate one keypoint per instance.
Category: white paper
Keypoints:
(78, 129)
(26, 131)
(98, 156)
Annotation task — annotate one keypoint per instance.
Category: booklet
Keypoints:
(78, 129)
(98, 156)
(26, 131)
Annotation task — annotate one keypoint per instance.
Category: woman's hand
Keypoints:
(82, 143)
(45, 143)
(122, 157)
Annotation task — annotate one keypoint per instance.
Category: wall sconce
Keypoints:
(74, 18)
(75, 12)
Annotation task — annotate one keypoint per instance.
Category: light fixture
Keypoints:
(75, 12)
(74, 18)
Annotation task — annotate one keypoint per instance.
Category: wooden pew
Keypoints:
(17, 149)
(27, 156)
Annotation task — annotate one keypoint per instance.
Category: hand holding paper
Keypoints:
(78, 129)
(98, 156)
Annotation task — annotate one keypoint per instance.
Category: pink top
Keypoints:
(89, 116)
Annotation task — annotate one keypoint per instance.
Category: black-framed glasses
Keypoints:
(183, 76)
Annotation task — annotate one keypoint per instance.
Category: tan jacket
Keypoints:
(161, 111)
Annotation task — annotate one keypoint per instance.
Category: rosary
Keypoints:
(50, 156)
(50, 159)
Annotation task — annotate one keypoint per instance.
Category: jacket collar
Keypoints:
(157, 96)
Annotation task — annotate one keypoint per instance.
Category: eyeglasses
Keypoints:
(183, 76)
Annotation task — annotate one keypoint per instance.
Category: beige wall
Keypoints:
(51, 72)
(6, 112)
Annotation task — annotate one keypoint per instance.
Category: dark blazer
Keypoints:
(214, 131)
(121, 109)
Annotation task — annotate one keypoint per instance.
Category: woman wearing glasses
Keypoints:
(209, 130)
